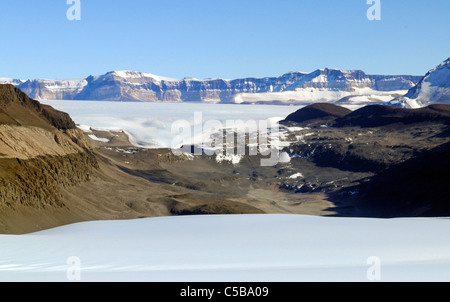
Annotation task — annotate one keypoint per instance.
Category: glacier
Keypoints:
(233, 248)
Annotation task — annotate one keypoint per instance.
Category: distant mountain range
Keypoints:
(342, 87)
(322, 85)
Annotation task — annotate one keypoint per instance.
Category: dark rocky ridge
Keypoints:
(367, 116)
(368, 149)
(382, 115)
(374, 137)
(320, 112)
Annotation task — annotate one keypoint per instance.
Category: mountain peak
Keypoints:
(433, 88)
(129, 74)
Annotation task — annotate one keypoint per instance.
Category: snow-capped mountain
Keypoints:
(53, 89)
(326, 85)
(14, 82)
(433, 88)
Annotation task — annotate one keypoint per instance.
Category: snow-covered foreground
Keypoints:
(233, 248)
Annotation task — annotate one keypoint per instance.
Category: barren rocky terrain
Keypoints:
(51, 173)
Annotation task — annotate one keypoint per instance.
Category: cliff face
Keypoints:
(41, 151)
(36, 182)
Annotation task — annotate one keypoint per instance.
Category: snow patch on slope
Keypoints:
(99, 139)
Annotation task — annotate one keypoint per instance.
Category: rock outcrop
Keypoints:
(41, 151)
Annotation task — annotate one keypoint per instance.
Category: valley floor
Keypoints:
(132, 182)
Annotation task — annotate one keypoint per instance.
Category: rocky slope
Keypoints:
(433, 88)
(416, 187)
(405, 150)
(328, 85)
(41, 150)
(369, 139)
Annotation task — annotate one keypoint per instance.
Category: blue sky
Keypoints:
(228, 39)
